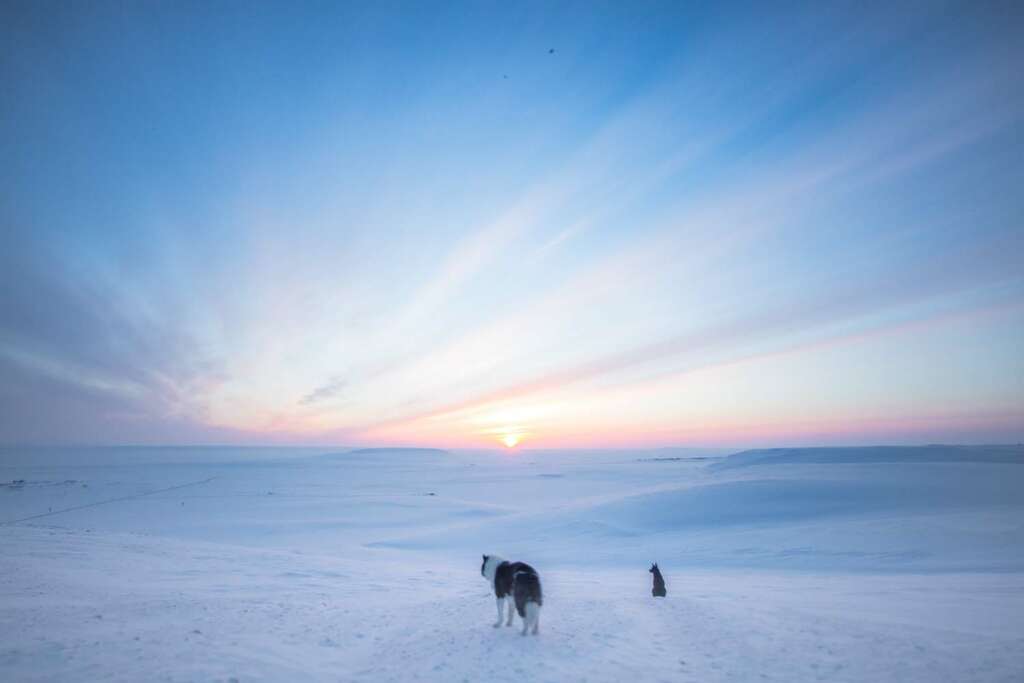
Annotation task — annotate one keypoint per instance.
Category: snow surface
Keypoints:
(302, 564)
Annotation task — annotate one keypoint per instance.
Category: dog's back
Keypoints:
(504, 576)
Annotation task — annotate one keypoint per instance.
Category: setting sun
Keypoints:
(510, 440)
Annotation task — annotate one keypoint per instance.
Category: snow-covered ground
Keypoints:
(291, 564)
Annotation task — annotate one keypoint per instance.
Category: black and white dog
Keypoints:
(515, 583)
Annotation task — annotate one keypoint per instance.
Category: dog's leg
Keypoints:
(511, 610)
(532, 618)
(500, 602)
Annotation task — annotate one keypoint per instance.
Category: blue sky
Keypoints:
(555, 224)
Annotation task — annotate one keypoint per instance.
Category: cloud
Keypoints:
(329, 390)
(76, 340)
(902, 291)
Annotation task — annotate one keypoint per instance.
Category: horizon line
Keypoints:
(514, 449)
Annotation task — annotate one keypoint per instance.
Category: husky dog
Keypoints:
(517, 584)
(659, 582)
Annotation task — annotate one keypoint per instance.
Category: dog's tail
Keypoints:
(529, 584)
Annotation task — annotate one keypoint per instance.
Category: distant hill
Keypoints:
(398, 451)
(875, 454)
(387, 453)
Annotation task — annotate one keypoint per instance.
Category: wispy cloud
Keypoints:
(331, 389)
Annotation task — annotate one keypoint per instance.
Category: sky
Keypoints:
(547, 224)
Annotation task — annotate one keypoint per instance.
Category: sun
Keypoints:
(510, 440)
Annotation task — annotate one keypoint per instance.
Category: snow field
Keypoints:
(301, 567)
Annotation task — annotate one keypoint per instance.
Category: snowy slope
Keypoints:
(915, 515)
(299, 565)
(876, 454)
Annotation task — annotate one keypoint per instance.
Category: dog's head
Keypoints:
(654, 568)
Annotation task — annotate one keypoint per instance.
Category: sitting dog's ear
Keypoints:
(485, 558)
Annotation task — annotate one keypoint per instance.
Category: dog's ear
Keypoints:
(485, 558)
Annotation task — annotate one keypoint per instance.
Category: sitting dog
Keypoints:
(659, 582)
(516, 583)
